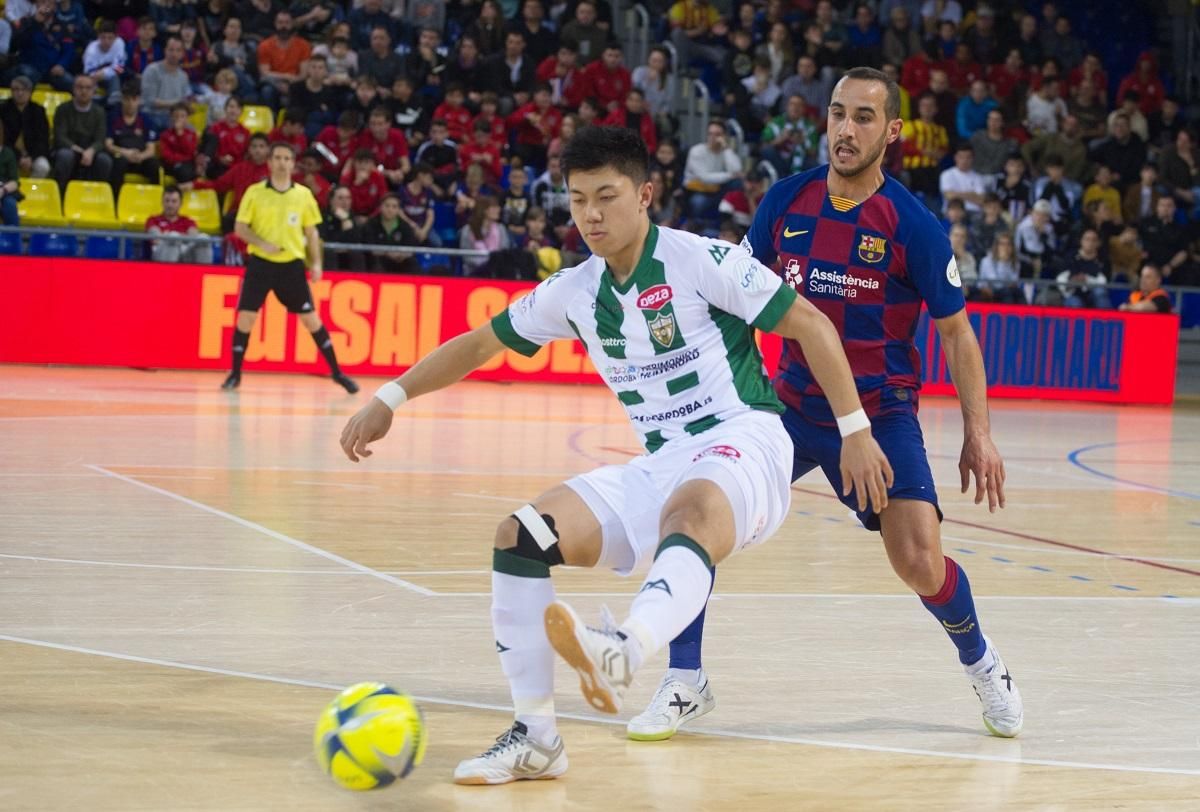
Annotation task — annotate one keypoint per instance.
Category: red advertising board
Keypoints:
(67, 311)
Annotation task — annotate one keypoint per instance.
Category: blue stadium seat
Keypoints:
(102, 248)
(53, 245)
(10, 243)
(445, 223)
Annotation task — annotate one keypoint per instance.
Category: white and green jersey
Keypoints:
(675, 342)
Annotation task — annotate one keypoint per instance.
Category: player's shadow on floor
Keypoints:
(870, 725)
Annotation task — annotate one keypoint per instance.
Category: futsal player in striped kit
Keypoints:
(278, 220)
(868, 254)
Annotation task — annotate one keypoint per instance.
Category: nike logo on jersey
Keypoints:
(787, 232)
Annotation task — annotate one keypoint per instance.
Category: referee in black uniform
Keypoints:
(278, 219)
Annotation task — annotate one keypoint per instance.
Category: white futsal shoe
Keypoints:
(1003, 713)
(514, 757)
(675, 704)
(599, 655)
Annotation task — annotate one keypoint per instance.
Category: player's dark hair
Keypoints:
(891, 107)
(618, 148)
(172, 190)
(260, 137)
(290, 147)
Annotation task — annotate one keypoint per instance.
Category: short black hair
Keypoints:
(891, 107)
(620, 148)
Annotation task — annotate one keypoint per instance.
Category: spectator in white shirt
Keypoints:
(712, 169)
(1035, 242)
(962, 182)
(104, 61)
(1045, 109)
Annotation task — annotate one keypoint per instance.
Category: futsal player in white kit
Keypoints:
(667, 318)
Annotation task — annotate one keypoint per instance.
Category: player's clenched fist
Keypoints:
(371, 423)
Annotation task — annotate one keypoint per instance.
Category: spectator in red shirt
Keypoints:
(337, 144)
(635, 117)
(607, 79)
(308, 173)
(387, 144)
(1145, 82)
(1009, 77)
(1090, 71)
(562, 73)
(366, 183)
(488, 107)
(536, 124)
(914, 73)
(178, 146)
(291, 131)
(962, 70)
(172, 222)
(250, 170)
(457, 117)
(227, 140)
(279, 59)
(481, 150)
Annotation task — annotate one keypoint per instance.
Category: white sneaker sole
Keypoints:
(561, 624)
(481, 780)
(663, 733)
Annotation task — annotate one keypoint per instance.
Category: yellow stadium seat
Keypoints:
(5, 93)
(42, 205)
(50, 99)
(256, 118)
(202, 206)
(199, 118)
(137, 203)
(89, 204)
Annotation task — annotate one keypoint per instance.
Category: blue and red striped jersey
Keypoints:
(868, 267)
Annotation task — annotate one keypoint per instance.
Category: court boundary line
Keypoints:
(579, 717)
(1074, 454)
(266, 531)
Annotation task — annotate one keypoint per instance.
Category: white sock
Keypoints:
(983, 665)
(542, 729)
(674, 592)
(518, 607)
(688, 676)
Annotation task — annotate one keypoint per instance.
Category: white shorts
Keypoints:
(749, 458)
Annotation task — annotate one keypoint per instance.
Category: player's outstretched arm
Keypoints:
(864, 466)
(979, 454)
(448, 364)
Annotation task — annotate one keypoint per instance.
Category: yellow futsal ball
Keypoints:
(369, 736)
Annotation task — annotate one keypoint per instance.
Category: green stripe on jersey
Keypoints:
(702, 425)
(502, 325)
(630, 397)
(745, 362)
(683, 383)
(778, 304)
(609, 316)
(579, 335)
(654, 440)
(665, 335)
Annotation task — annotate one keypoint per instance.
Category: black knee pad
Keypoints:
(536, 537)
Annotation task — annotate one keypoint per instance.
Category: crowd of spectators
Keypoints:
(440, 123)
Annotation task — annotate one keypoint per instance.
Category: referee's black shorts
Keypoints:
(285, 278)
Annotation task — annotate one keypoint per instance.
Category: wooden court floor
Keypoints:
(187, 576)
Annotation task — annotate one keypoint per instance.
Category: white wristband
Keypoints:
(853, 422)
(392, 394)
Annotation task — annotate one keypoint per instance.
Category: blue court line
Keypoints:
(1073, 458)
(1080, 577)
(1001, 559)
(1126, 588)
(964, 551)
(1040, 569)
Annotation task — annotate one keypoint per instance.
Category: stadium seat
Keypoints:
(137, 203)
(89, 204)
(50, 99)
(53, 245)
(42, 205)
(257, 118)
(203, 207)
(5, 93)
(199, 118)
(102, 248)
(10, 243)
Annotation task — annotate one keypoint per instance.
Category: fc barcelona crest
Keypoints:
(663, 329)
(872, 249)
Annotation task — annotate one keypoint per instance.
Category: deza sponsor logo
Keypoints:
(654, 298)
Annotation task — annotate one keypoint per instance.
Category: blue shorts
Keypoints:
(899, 435)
